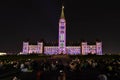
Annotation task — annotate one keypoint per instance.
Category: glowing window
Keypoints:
(61, 31)
(62, 27)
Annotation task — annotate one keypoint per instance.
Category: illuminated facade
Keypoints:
(27, 49)
(62, 33)
(82, 49)
(96, 48)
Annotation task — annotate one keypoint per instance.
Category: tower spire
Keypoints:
(62, 12)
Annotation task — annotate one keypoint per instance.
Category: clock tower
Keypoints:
(62, 33)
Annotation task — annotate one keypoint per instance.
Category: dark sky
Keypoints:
(22, 20)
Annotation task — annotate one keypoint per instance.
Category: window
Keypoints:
(61, 31)
(62, 27)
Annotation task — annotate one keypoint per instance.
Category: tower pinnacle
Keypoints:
(62, 12)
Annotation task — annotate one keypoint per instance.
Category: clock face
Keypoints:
(62, 23)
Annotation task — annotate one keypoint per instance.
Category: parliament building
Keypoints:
(83, 48)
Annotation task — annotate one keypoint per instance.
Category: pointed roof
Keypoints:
(62, 12)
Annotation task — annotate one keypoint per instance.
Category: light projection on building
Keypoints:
(84, 48)
(62, 33)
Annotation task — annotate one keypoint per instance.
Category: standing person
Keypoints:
(102, 77)
(62, 75)
(38, 75)
(15, 78)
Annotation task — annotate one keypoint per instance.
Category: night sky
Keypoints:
(33, 20)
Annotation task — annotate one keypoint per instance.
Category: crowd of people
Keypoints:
(61, 69)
